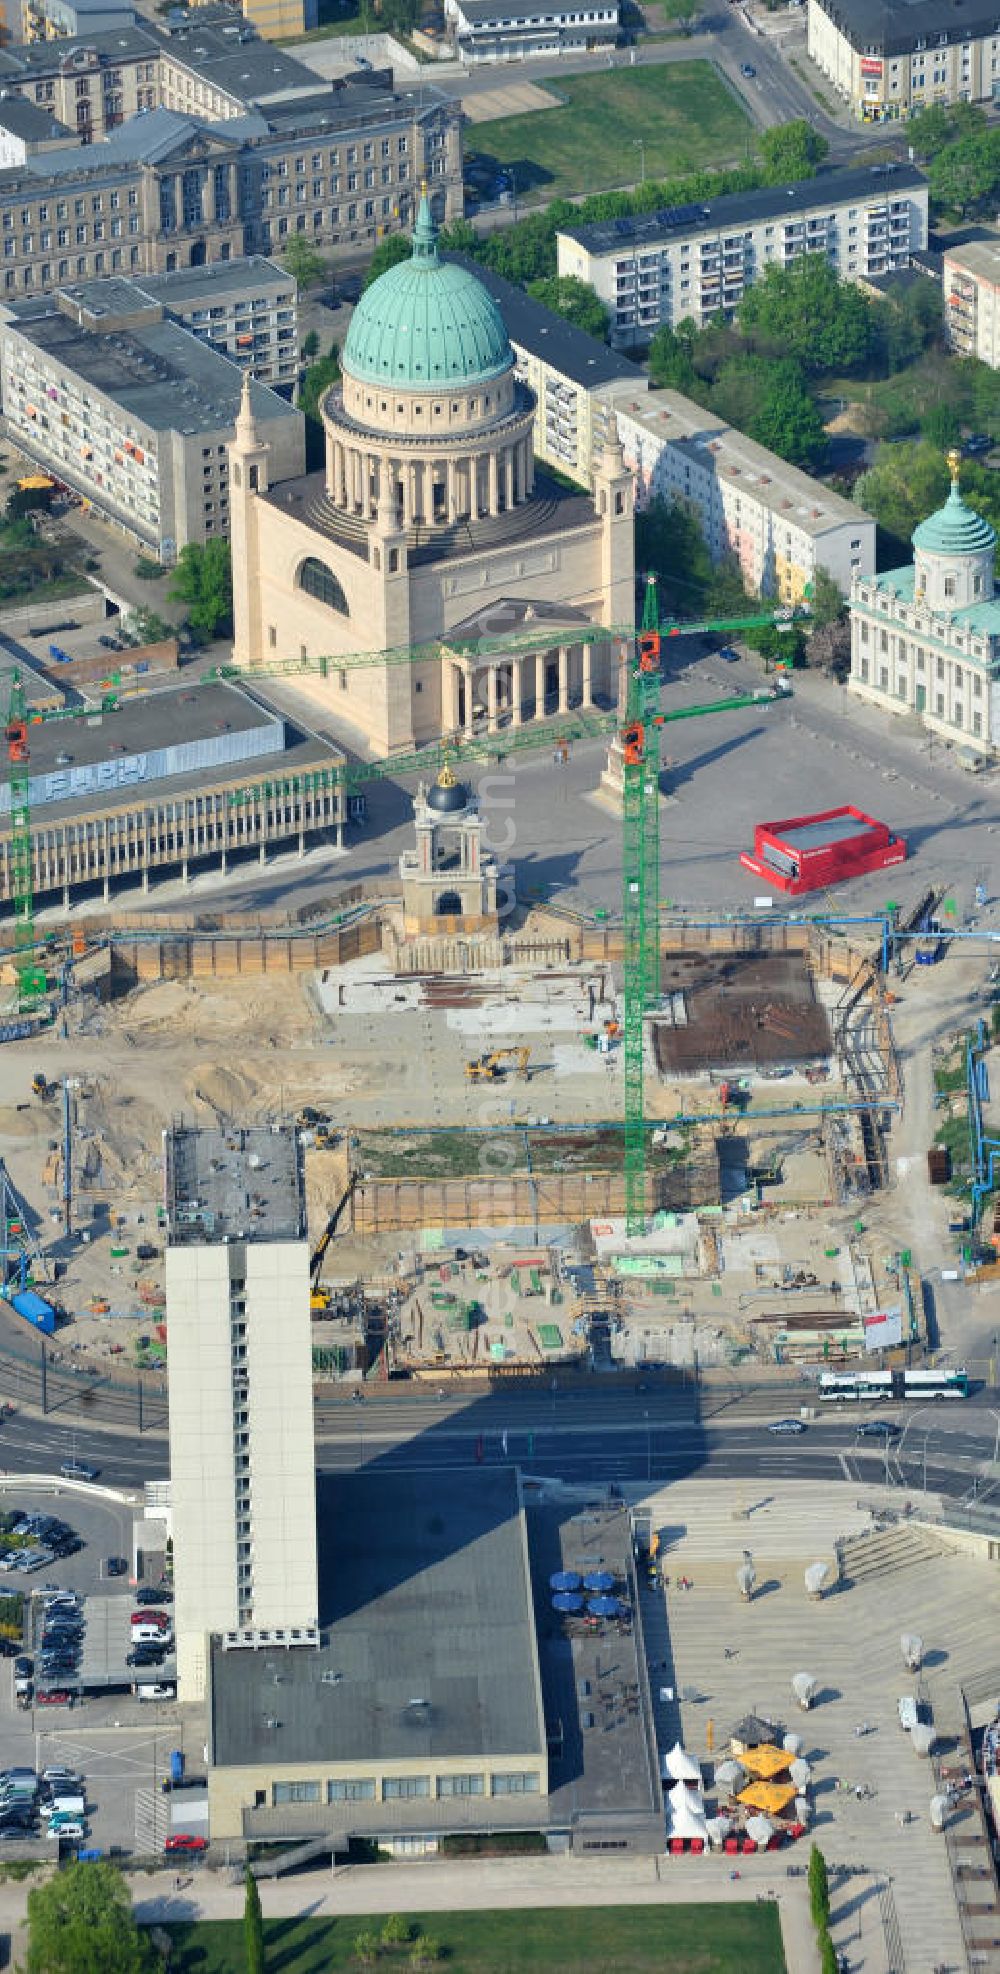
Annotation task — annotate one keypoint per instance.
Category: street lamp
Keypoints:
(640, 145)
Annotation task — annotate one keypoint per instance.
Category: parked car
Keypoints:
(54, 1696)
(71, 1831)
(58, 1774)
(152, 1617)
(116, 1566)
(146, 1655)
(184, 1842)
(747, 71)
(149, 1594)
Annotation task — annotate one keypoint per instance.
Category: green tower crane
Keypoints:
(31, 981)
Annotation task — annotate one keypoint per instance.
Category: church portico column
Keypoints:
(494, 482)
(510, 494)
(341, 474)
(587, 667)
(492, 721)
(516, 688)
(539, 685)
(470, 725)
(454, 496)
(564, 678)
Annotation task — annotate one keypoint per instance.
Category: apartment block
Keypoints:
(695, 261)
(242, 1458)
(245, 309)
(780, 524)
(133, 411)
(892, 60)
(971, 282)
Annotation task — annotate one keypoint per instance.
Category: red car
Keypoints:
(152, 1617)
(182, 1842)
(56, 1696)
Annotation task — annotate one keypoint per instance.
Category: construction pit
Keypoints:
(479, 1112)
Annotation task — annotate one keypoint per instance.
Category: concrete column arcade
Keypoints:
(564, 678)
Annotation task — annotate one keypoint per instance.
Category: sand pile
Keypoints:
(230, 1093)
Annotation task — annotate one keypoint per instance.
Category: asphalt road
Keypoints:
(579, 1434)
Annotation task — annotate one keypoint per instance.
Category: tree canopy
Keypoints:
(394, 248)
(903, 484)
(810, 314)
(769, 401)
(792, 150)
(575, 300)
(81, 1923)
(303, 260)
(203, 580)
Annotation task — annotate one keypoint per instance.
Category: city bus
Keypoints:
(894, 1387)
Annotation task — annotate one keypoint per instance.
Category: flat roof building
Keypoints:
(971, 283)
(242, 1460)
(227, 780)
(245, 309)
(890, 59)
(699, 259)
(513, 30)
(133, 411)
(446, 1696)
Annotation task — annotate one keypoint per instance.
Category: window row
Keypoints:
(404, 1788)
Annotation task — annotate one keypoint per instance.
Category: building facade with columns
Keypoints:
(440, 581)
(925, 639)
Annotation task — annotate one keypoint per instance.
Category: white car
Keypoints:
(786, 1426)
(71, 1830)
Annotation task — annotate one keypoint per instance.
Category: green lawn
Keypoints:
(686, 117)
(682, 1939)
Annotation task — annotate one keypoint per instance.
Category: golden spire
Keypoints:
(954, 464)
(446, 777)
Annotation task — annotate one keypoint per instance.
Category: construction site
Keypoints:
(535, 1137)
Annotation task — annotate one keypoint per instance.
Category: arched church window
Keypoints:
(319, 581)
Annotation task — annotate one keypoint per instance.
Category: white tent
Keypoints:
(912, 1648)
(680, 1766)
(719, 1828)
(939, 1810)
(761, 1830)
(685, 1813)
(803, 1810)
(805, 1688)
(730, 1777)
(746, 1577)
(801, 1774)
(816, 1576)
(923, 1738)
(792, 1744)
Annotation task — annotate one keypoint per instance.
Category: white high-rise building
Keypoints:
(242, 1460)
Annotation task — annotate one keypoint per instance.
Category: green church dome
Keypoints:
(955, 529)
(426, 323)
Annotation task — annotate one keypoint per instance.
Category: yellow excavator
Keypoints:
(319, 1297)
(489, 1067)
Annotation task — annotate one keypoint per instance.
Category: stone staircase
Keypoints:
(887, 1552)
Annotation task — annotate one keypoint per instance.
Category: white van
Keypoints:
(907, 1710)
(152, 1634)
(157, 1692)
(65, 1806)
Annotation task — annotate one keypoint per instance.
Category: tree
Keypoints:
(966, 174)
(203, 579)
(934, 128)
(827, 601)
(792, 150)
(396, 1931)
(939, 425)
(253, 1927)
(310, 345)
(684, 12)
(670, 545)
(829, 1964)
(366, 1948)
(806, 312)
(670, 361)
(769, 401)
(81, 1922)
(304, 261)
(317, 380)
(903, 484)
(575, 301)
(426, 1951)
(819, 1889)
(394, 248)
